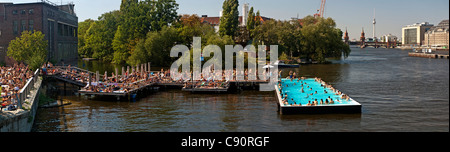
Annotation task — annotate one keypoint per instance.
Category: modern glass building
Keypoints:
(414, 34)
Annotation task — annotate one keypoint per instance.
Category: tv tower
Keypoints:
(374, 23)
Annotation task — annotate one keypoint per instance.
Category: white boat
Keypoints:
(282, 64)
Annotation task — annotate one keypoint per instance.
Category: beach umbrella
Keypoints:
(268, 67)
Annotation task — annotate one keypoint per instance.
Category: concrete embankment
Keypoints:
(21, 120)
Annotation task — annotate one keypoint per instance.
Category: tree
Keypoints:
(119, 43)
(229, 22)
(164, 15)
(155, 47)
(192, 27)
(321, 39)
(30, 48)
(251, 20)
(258, 19)
(137, 19)
(282, 33)
(83, 27)
(99, 37)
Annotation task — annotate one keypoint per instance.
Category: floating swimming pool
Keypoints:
(298, 100)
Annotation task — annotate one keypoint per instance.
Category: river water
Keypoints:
(398, 93)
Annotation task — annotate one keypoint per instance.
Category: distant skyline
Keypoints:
(391, 15)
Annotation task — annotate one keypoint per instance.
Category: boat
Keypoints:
(282, 64)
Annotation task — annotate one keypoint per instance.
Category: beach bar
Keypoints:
(302, 102)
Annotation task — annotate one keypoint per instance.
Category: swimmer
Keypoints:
(315, 102)
(309, 103)
(331, 101)
(321, 101)
(315, 92)
(326, 101)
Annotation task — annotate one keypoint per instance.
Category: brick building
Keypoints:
(58, 23)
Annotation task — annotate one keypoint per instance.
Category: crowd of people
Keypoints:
(136, 79)
(292, 76)
(12, 80)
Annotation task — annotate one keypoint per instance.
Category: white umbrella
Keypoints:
(268, 66)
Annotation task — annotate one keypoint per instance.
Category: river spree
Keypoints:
(398, 93)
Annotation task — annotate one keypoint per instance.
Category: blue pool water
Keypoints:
(310, 86)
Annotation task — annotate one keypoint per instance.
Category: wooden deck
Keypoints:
(77, 83)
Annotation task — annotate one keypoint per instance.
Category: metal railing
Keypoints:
(26, 90)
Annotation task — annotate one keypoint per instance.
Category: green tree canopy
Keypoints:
(321, 39)
(229, 22)
(251, 20)
(137, 19)
(30, 48)
(156, 47)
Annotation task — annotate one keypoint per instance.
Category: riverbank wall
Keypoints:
(21, 120)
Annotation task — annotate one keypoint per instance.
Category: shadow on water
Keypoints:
(332, 122)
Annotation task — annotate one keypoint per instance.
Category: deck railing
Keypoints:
(26, 90)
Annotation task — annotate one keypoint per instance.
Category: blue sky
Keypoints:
(354, 14)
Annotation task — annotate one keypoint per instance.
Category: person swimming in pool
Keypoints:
(331, 101)
(315, 102)
(309, 103)
(315, 92)
(321, 101)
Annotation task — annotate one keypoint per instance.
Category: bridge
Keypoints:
(376, 44)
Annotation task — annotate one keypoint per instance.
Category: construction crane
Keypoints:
(321, 11)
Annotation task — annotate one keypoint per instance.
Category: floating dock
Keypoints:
(206, 90)
(427, 55)
(341, 107)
